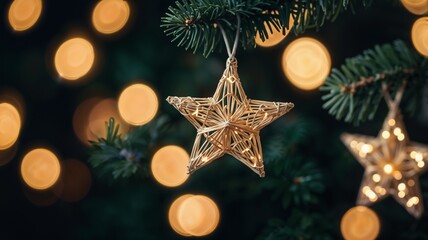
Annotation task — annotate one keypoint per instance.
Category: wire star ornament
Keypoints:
(228, 122)
(392, 163)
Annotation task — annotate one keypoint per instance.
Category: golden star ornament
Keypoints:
(228, 122)
(392, 164)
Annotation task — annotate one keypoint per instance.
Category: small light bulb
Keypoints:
(387, 168)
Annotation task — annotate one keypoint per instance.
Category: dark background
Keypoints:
(138, 209)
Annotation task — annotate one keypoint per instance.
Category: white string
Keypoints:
(226, 41)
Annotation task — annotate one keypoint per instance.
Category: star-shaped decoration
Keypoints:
(392, 164)
(228, 122)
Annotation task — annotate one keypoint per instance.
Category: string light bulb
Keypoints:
(138, 104)
(74, 58)
(306, 63)
(417, 7)
(10, 125)
(109, 16)
(23, 14)
(360, 223)
(169, 166)
(420, 35)
(40, 168)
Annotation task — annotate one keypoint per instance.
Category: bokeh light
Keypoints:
(138, 104)
(40, 168)
(23, 14)
(81, 119)
(173, 217)
(109, 16)
(198, 215)
(417, 7)
(100, 114)
(74, 58)
(360, 223)
(306, 63)
(10, 125)
(194, 215)
(13, 97)
(420, 35)
(169, 166)
(275, 37)
(75, 181)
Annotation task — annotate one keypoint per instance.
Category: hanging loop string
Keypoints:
(393, 103)
(232, 52)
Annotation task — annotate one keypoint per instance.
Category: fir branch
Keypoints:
(293, 181)
(354, 92)
(194, 23)
(128, 156)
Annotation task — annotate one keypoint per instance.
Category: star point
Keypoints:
(229, 122)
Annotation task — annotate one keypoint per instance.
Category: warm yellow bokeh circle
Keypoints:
(360, 223)
(10, 125)
(109, 16)
(194, 215)
(417, 7)
(306, 63)
(138, 104)
(40, 168)
(172, 215)
(169, 166)
(420, 35)
(198, 215)
(23, 14)
(273, 38)
(74, 58)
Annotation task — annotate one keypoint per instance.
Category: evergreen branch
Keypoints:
(293, 181)
(128, 156)
(194, 23)
(299, 225)
(353, 92)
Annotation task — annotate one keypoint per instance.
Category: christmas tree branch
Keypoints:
(354, 91)
(194, 23)
(124, 157)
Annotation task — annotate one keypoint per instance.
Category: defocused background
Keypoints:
(63, 101)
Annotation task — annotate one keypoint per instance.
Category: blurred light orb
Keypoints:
(75, 181)
(74, 58)
(275, 36)
(198, 215)
(10, 125)
(169, 166)
(417, 7)
(360, 223)
(40, 169)
(81, 119)
(138, 104)
(23, 14)
(100, 114)
(420, 35)
(173, 217)
(109, 16)
(306, 63)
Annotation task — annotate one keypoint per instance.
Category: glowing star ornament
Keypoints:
(392, 163)
(228, 122)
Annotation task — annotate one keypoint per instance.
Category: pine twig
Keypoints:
(128, 156)
(354, 92)
(194, 23)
